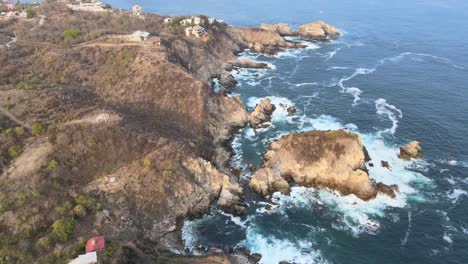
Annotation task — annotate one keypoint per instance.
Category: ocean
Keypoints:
(398, 73)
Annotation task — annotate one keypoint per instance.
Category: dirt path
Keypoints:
(14, 119)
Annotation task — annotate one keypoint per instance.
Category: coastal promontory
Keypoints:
(326, 159)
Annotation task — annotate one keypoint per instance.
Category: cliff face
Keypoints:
(331, 159)
(105, 136)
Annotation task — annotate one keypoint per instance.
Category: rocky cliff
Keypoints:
(327, 159)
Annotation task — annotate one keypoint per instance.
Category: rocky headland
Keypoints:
(101, 135)
(317, 30)
(326, 159)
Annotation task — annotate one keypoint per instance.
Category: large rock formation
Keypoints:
(280, 28)
(331, 159)
(411, 151)
(317, 30)
(264, 41)
(262, 113)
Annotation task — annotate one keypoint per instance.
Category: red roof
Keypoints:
(95, 244)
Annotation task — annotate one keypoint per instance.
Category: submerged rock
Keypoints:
(331, 159)
(262, 113)
(411, 151)
(317, 30)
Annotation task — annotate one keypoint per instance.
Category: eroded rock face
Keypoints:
(411, 151)
(317, 30)
(280, 28)
(331, 159)
(246, 63)
(262, 113)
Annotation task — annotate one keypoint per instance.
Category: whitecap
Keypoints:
(281, 103)
(456, 194)
(393, 113)
(275, 250)
(436, 58)
(354, 91)
(337, 68)
(448, 238)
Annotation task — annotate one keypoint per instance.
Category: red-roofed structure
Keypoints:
(95, 244)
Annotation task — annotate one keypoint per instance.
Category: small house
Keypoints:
(198, 20)
(198, 31)
(88, 258)
(140, 36)
(188, 31)
(95, 244)
(186, 22)
(211, 20)
(137, 10)
(168, 20)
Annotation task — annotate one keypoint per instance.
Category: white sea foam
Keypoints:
(187, 235)
(408, 231)
(393, 113)
(274, 250)
(448, 238)
(281, 113)
(354, 91)
(405, 54)
(337, 68)
(456, 194)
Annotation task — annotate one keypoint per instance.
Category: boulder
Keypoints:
(317, 30)
(328, 159)
(411, 151)
(280, 28)
(246, 63)
(262, 113)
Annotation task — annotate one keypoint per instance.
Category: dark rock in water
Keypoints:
(262, 114)
(291, 110)
(268, 207)
(385, 164)
(252, 167)
(284, 262)
(371, 165)
(411, 151)
(387, 190)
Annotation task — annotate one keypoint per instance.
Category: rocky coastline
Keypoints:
(135, 130)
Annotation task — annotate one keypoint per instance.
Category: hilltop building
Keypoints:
(196, 31)
(137, 10)
(168, 20)
(140, 36)
(92, 6)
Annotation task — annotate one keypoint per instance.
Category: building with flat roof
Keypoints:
(140, 36)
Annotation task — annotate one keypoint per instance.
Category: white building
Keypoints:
(186, 22)
(211, 20)
(137, 10)
(168, 20)
(88, 258)
(140, 36)
(96, 6)
(197, 20)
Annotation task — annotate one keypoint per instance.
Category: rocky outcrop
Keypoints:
(411, 151)
(280, 28)
(264, 41)
(330, 159)
(248, 64)
(317, 30)
(262, 113)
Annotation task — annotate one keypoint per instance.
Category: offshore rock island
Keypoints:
(105, 133)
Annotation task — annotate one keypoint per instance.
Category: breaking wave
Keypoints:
(393, 113)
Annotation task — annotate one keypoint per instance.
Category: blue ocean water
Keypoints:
(398, 73)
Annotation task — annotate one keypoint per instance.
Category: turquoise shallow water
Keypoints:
(398, 73)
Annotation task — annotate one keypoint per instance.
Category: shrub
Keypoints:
(43, 243)
(19, 131)
(30, 13)
(38, 129)
(79, 211)
(147, 163)
(84, 201)
(9, 132)
(63, 228)
(71, 34)
(14, 151)
(52, 165)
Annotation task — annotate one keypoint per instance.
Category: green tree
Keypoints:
(63, 228)
(19, 131)
(71, 34)
(14, 151)
(38, 129)
(52, 165)
(9, 132)
(30, 13)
